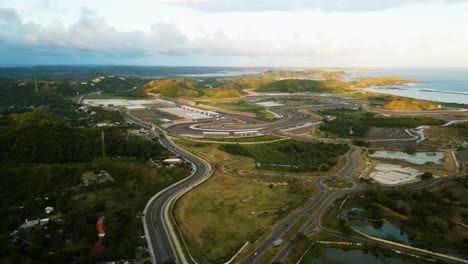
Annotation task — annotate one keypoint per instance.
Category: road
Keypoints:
(159, 231)
(353, 161)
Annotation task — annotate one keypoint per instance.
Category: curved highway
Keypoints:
(162, 236)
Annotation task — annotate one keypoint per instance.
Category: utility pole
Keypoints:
(35, 84)
(103, 145)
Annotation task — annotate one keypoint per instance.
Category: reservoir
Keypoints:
(380, 229)
(419, 158)
(335, 255)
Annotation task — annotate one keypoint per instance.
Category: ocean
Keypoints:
(448, 85)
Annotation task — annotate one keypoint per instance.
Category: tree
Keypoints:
(426, 176)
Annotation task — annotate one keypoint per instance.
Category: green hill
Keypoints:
(181, 87)
(294, 86)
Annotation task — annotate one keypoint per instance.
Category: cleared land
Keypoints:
(393, 175)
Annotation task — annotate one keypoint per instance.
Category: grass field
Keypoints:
(338, 183)
(219, 216)
(242, 106)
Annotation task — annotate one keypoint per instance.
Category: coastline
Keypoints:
(423, 93)
(439, 91)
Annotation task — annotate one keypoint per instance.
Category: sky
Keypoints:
(247, 33)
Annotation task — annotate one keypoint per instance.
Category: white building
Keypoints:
(247, 134)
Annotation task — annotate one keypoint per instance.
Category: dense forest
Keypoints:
(44, 137)
(291, 155)
(43, 157)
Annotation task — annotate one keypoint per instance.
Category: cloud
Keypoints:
(282, 5)
(93, 34)
(9, 16)
(94, 38)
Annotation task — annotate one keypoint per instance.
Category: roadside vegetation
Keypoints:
(291, 155)
(338, 183)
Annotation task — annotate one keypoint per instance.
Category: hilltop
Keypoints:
(295, 85)
(181, 87)
(406, 104)
(366, 82)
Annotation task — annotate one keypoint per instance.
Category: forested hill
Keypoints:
(295, 86)
(42, 137)
(23, 94)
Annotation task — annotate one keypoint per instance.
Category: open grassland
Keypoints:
(219, 216)
(242, 106)
(409, 105)
(449, 135)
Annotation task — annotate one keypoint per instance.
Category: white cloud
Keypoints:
(281, 5)
(408, 36)
(92, 33)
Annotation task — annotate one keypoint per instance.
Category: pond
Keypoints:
(335, 255)
(380, 229)
(419, 158)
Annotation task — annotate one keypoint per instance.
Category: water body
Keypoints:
(221, 74)
(354, 256)
(443, 85)
(381, 229)
(419, 158)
